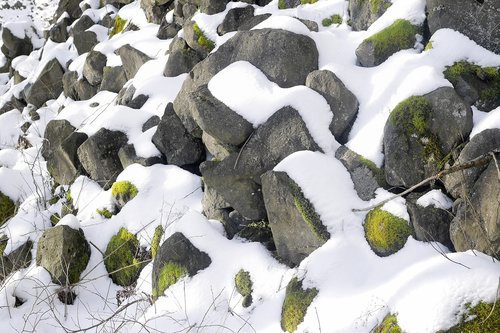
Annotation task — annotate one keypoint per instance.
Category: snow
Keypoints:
(485, 120)
(435, 198)
(70, 221)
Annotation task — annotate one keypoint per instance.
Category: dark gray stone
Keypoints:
(94, 66)
(167, 30)
(128, 156)
(150, 123)
(127, 97)
(99, 156)
(64, 165)
(181, 58)
(18, 259)
(113, 79)
(13, 46)
(234, 19)
(55, 133)
(311, 25)
(85, 41)
(343, 103)
(211, 7)
(156, 10)
(59, 32)
(219, 150)
(132, 60)
(253, 21)
(69, 82)
(363, 12)
(72, 7)
(82, 24)
(84, 90)
(48, 84)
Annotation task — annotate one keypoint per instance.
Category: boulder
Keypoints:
(126, 96)
(82, 24)
(251, 22)
(113, 79)
(132, 60)
(363, 12)
(415, 143)
(478, 20)
(48, 85)
(64, 253)
(14, 46)
(99, 156)
(175, 143)
(72, 7)
(85, 41)
(94, 67)
(211, 7)
(176, 258)
(181, 58)
(128, 156)
(296, 227)
(343, 103)
(156, 10)
(365, 175)
(64, 165)
(58, 33)
(167, 30)
(55, 133)
(379, 47)
(197, 40)
(297, 301)
(284, 57)
(150, 123)
(69, 81)
(84, 90)
(218, 150)
(234, 19)
(284, 4)
(7, 208)
(18, 259)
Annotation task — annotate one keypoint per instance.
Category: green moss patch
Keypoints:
(3, 244)
(385, 233)
(104, 213)
(202, 39)
(169, 275)
(120, 258)
(305, 2)
(7, 208)
(243, 284)
(297, 300)
(379, 173)
(378, 6)
(480, 318)
(118, 26)
(155, 242)
(334, 19)
(124, 191)
(389, 325)
(398, 36)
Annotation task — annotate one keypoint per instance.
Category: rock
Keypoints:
(415, 142)
(13, 104)
(84, 90)
(167, 30)
(284, 4)
(211, 7)
(85, 41)
(253, 21)
(132, 60)
(296, 227)
(343, 103)
(107, 21)
(55, 133)
(234, 19)
(173, 141)
(311, 25)
(430, 224)
(459, 184)
(284, 57)
(476, 225)
(219, 150)
(14, 46)
(478, 20)
(127, 97)
(176, 258)
(150, 123)
(363, 13)
(82, 24)
(72, 7)
(365, 175)
(94, 66)
(379, 47)
(218, 120)
(7, 208)
(113, 79)
(69, 81)
(212, 203)
(99, 156)
(64, 253)
(156, 10)
(128, 156)
(18, 259)
(197, 40)
(63, 165)
(297, 301)
(58, 33)
(48, 84)
(181, 58)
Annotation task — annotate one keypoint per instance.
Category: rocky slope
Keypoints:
(254, 166)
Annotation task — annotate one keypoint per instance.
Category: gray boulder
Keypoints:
(99, 156)
(18, 259)
(126, 96)
(84, 90)
(72, 7)
(181, 58)
(343, 103)
(85, 41)
(167, 30)
(365, 175)
(64, 165)
(234, 19)
(113, 79)
(478, 20)
(64, 253)
(156, 10)
(211, 7)
(94, 66)
(82, 24)
(253, 21)
(363, 12)
(59, 31)
(192, 36)
(296, 227)
(128, 156)
(132, 60)
(55, 133)
(175, 143)
(284, 57)
(14, 46)
(69, 82)
(150, 123)
(415, 143)
(48, 84)
(218, 150)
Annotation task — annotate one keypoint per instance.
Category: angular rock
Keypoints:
(14, 46)
(212, 203)
(94, 66)
(99, 156)
(311, 25)
(127, 97)
(343, 103)
(167, 30)
(132, 60)
(150, 123)
(296, 227)
(192, 36)
(64, 253)
(59, 32)
(128, 156)
(84, 90)
(85, 41)
(156, 10)
(363, 13)
(181, 58)
(211, 7)
(18, 259)
(234, 19)
(219, 150)
(48, 85)
(253, 21)
(173, 141)
(55, 133)
(82, 24)
(63, 165)
(478, 20)
(72, 7)
(69, 81)
(113, 79)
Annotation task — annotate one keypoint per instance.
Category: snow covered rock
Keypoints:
(126, 96)
(176, 258)
(364, 12)
(132, 60)
(64, 165)
(128, 156)
(72, 7)
(415, 142)
(48, 85)
(343, 103)
(59, 31)
(211, 7)
(16, 43)
(64, 253)
(99, 156)
(81, 25)
(297, 228)
(181, 59)
(94, 67)
(234, 19)
(168, 29)
(297, 301)
(478, 20)
(155, 10)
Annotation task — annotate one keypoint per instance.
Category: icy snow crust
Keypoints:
(356, 287)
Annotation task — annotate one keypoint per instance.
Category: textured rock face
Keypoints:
(18, 259)
(72, 7)
(155, 10)
(47, 86)
(85, 41)
(94, 66)
(113, 79)
(478, 20)
(64, 165)
(296, 227)
(364, 12)
(64, 253)
(234, 19)
(132, 60)
(181, 58)
(14, 46)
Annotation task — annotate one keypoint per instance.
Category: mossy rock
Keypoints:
(169, 275)
(155, 242)
(483, 317)
(123, 192)
(385, 232)
(3, 243)
(7, 208)
(334, 19)
(54, 219)
(202, 39)
(389, 325)
(106, 213)
(243, 283)
(118, 26)
(121, 259)
(295, 305)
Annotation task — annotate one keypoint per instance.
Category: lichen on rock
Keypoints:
(295, 305)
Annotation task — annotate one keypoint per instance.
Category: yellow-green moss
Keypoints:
(104, 213)
(120, 258)
(3, 244)
(243, 284)
(281, 4)
(334, 19)
(118, 26)
(398, 36)
(389, 325)
(295, 305)
(155, 242)
(379, 173)
(385, 233)
(376, 6)
(7, 208)
(124, 190)
(305, 2)
(202, 39)
(429, 46)
(169, 275)
(480, 318)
